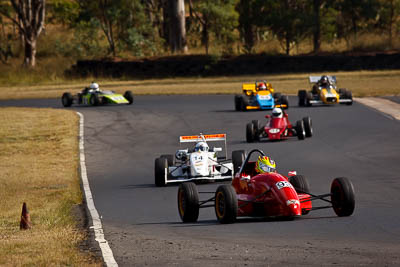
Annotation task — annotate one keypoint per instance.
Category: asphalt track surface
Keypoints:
(141, 221)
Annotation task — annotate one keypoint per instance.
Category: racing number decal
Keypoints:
(283, 184)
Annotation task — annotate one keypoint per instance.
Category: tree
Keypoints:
(30, 17)
(354, 16)
(215, 16)
(176, 23)
(388, 12)
(288, 20)
(123, 23)
(248, 19)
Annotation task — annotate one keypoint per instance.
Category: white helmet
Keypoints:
(94, 86)
(201, 146)
(277, 113)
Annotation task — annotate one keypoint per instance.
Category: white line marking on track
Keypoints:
(97, 226)
(383, 105)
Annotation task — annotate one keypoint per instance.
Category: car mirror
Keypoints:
(217, 149)
(292, 173)
(267, 116)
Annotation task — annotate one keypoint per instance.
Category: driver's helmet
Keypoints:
(265, 164)
(324, 80)
(277, 113)
(94, 86)
(201, 147)
(262, 86)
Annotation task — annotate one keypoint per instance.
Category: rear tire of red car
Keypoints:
(170, 159)
(308, 126)
(226, 204)
(129, 96)
(160, 169)
(66, 99)
(342, 197)
(188, 202)
(250, 132)
(300, 131)
(238, 157)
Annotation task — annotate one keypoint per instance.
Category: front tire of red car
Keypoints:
(308, 126)
(300, 131)
(188, 202)
(226, 204)
(342, 196)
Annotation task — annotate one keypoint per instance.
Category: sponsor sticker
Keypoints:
(283, 184)
(292, 202)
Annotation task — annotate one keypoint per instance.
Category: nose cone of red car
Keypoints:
(288, 198)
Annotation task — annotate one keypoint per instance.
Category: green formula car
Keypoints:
(93, 96)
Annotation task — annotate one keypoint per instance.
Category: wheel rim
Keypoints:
(220, 204)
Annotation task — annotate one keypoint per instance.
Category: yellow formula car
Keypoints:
(324, 91)
(259, 96)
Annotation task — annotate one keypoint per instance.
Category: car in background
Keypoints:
(198, 164)
(259, 96)
(324, 92)
(278, 127)
(93, 96)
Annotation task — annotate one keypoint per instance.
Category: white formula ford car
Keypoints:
(198, 164)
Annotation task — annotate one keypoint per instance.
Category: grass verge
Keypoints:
(361, 83)
(39, 166)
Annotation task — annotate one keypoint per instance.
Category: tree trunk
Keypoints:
(205, 35)
(177, 30)
(317, 26)
(30, 21)
(248, 28)
(30, 52)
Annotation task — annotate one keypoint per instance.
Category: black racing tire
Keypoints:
(67, 99)
(284, 100)
(342, 91)
(308, 126)
(277, 96)
(129, 96)
(257, 128)
(188, 202)
(238, 102)
(160, 169)
(342, 196)
(238, 157)
(170, 159)
(94, 100)
(302, 95)
(226, 204)
(300, 131)
(250, 132)
(309, 97)
(300, 183)
(349, 95)
(244, 103)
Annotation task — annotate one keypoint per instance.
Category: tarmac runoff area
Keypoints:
(388, 107)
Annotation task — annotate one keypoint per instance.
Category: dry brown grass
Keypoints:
(38, 163)
(361, 83)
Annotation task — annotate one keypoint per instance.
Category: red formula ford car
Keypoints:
(278, 127)
(263, 195)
